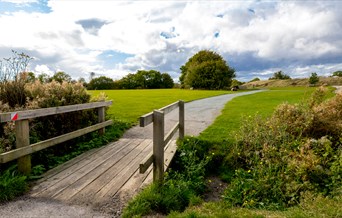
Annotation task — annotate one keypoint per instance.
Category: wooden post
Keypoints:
(22, 135)
(101, 115)
(158, 146)
(181, 119)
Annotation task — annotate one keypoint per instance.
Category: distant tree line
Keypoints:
(141, 80)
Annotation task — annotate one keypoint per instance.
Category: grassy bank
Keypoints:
(263, 103)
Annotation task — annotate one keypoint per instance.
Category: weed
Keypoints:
(12, 184)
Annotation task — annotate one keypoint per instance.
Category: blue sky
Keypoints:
(114, 38)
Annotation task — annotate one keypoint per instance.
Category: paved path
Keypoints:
(199, 115)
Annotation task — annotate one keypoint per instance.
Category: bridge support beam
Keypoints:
(158, 146)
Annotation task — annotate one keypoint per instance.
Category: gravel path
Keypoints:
(198, 116)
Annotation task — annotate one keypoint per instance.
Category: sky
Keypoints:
(114, 38)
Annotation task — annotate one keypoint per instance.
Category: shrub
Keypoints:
(296, 150)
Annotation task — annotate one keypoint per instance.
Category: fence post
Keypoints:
(158, 146)
(101, 118)
(22, 135)
(181, 119)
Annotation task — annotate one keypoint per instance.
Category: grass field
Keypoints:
(262, 103)
(129, 105)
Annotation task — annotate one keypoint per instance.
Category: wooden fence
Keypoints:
(159, 142)
(22, 132)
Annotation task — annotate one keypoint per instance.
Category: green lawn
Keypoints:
(129, 105)
(262, 103)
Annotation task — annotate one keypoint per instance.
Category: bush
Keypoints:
(297, 150)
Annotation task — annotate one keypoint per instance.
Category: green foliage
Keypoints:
(280, 76)
(235, 83)
(337, 73)
(101, 83)
(313, 79)
(146, 80)
(297, 150)
(206, 70)
(182, 186)
(61, 77)
(255, 79)
(12, 184)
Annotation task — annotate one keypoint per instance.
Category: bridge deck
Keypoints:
(100, 174)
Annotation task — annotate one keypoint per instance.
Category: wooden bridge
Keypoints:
(117, 170)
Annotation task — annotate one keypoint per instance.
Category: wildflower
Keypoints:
(213, 153)
(249, 171)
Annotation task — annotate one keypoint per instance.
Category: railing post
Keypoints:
(22, 135)
(101, 118)
(158, 146)
(181, 119)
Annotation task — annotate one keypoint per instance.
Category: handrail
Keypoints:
(23, 147)
(159, 141)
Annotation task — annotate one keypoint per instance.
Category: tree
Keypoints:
(143, 79)
(280, 76)
(167, 81)
(337, 73)
(61, 76)
(206, 70)
(101, 83)
(44, 78)
(313, 79)
(255, 79)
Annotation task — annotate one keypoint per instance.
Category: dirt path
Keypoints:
(198, 115)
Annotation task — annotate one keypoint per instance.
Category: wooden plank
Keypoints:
(87, 187)
(146, 119)
(62, 179)
(181, 120)
(29, 114)
(170, 151)
(22, 134)
(170, 135)
(158, 146)
(101, 118)
(146, 163)
(19, 152)
(167, 109)
(113, 186)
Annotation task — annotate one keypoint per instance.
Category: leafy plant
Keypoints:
(12, 184)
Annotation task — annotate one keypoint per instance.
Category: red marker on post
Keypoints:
(14, 116)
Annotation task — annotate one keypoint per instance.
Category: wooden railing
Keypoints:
(21, 119)
(159, 142)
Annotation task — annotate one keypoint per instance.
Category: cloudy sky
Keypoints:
(114, 38)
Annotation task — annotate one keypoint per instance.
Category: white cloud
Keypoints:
(270, 35)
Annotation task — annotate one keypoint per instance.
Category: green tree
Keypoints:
(337, 73)
(44, 78)
(167, 81)
(61, 76)
(255, 79)
(101, 83)
(143, 79)
(313, 79)
(280, 76)
(206, 70)
(129, 82)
